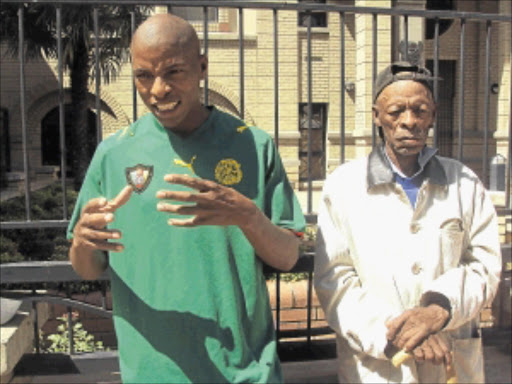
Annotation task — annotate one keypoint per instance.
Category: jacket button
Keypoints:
(415, 227)
(416, 268)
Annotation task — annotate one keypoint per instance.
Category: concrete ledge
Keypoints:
(17, 337)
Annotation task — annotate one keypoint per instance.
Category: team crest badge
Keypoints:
(139, 177)
(228, 172)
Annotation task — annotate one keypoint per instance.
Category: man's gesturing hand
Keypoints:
(90, 233)
(413, 326)
(214, 204)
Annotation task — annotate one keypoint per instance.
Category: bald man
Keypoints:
(200, 201)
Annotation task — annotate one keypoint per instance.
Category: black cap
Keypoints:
(402, 70)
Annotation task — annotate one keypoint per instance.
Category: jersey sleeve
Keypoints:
(281, 204)
(91, 187)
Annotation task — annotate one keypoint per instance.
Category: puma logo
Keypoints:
(190, 165)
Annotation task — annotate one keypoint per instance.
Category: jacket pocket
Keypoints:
(451, 240)
(469, 360)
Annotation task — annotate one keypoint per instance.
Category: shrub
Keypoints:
(59, 342)
(39, 244)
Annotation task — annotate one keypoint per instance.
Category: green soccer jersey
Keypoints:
(190, 304)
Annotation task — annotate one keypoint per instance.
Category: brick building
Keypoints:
(258, 100)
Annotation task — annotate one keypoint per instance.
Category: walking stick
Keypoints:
(402, 356)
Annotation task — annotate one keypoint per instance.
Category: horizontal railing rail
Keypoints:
(36, 273)
(62, 272)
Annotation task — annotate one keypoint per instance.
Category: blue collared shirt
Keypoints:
(411, 185)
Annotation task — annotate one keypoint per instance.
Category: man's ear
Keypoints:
(204, 66)
(375, 115)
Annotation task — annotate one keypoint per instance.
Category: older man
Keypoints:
(408, 251)
(204, 202)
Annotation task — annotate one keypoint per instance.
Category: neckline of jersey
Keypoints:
(202, 129)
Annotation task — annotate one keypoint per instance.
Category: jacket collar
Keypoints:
(380, 171)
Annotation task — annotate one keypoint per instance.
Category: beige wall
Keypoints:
(259, 79)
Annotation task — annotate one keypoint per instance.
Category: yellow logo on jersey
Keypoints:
(185, 164)
(242, 128)
(228, 172)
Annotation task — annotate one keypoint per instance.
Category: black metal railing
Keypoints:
(57, 271)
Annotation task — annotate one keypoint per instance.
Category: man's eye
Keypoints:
(173, 72)
(142, 76)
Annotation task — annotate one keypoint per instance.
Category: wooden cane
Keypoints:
(402, 356)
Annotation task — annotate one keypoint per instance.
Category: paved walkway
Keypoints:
(104, 368)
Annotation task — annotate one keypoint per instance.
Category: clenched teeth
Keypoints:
(167, 106)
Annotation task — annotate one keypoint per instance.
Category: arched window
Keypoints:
(50, 136)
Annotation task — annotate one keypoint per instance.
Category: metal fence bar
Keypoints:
(278, 307)
(436, 77)
(406, 37)
(241, 60)
(508, 190)
(302, 6)
(134, 88)
(485, 159)
(205, 51)
(36, 325)
(310, 110)
(99, 132)
(342, 88)
(62, 122)
(461, 90)
(104, 295)
(374, 72)
(276, 78)
(71, 339)
(23, 111)
(310, 302)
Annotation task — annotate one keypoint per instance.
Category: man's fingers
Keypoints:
(189, 181)
(414, 340)
(95, 235)
(94, 205)
(418, 354)
(108, 246)
(96, 220)
(394, 325)
(121, 199)
(102, 245)
(439, 354)
(177, 196)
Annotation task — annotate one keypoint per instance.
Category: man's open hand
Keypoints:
(213, 204)
(90, 231)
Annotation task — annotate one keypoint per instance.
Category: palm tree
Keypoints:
(78, 54)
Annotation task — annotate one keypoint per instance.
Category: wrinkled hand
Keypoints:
(413, 326)
(90, 231)
(435, 349)
(214, 204)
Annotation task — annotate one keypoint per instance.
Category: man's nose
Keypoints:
(408, 119)
(160, 88)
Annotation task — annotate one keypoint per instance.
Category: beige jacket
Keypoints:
(377, 256)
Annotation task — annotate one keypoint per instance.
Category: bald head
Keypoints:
(166, 30)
